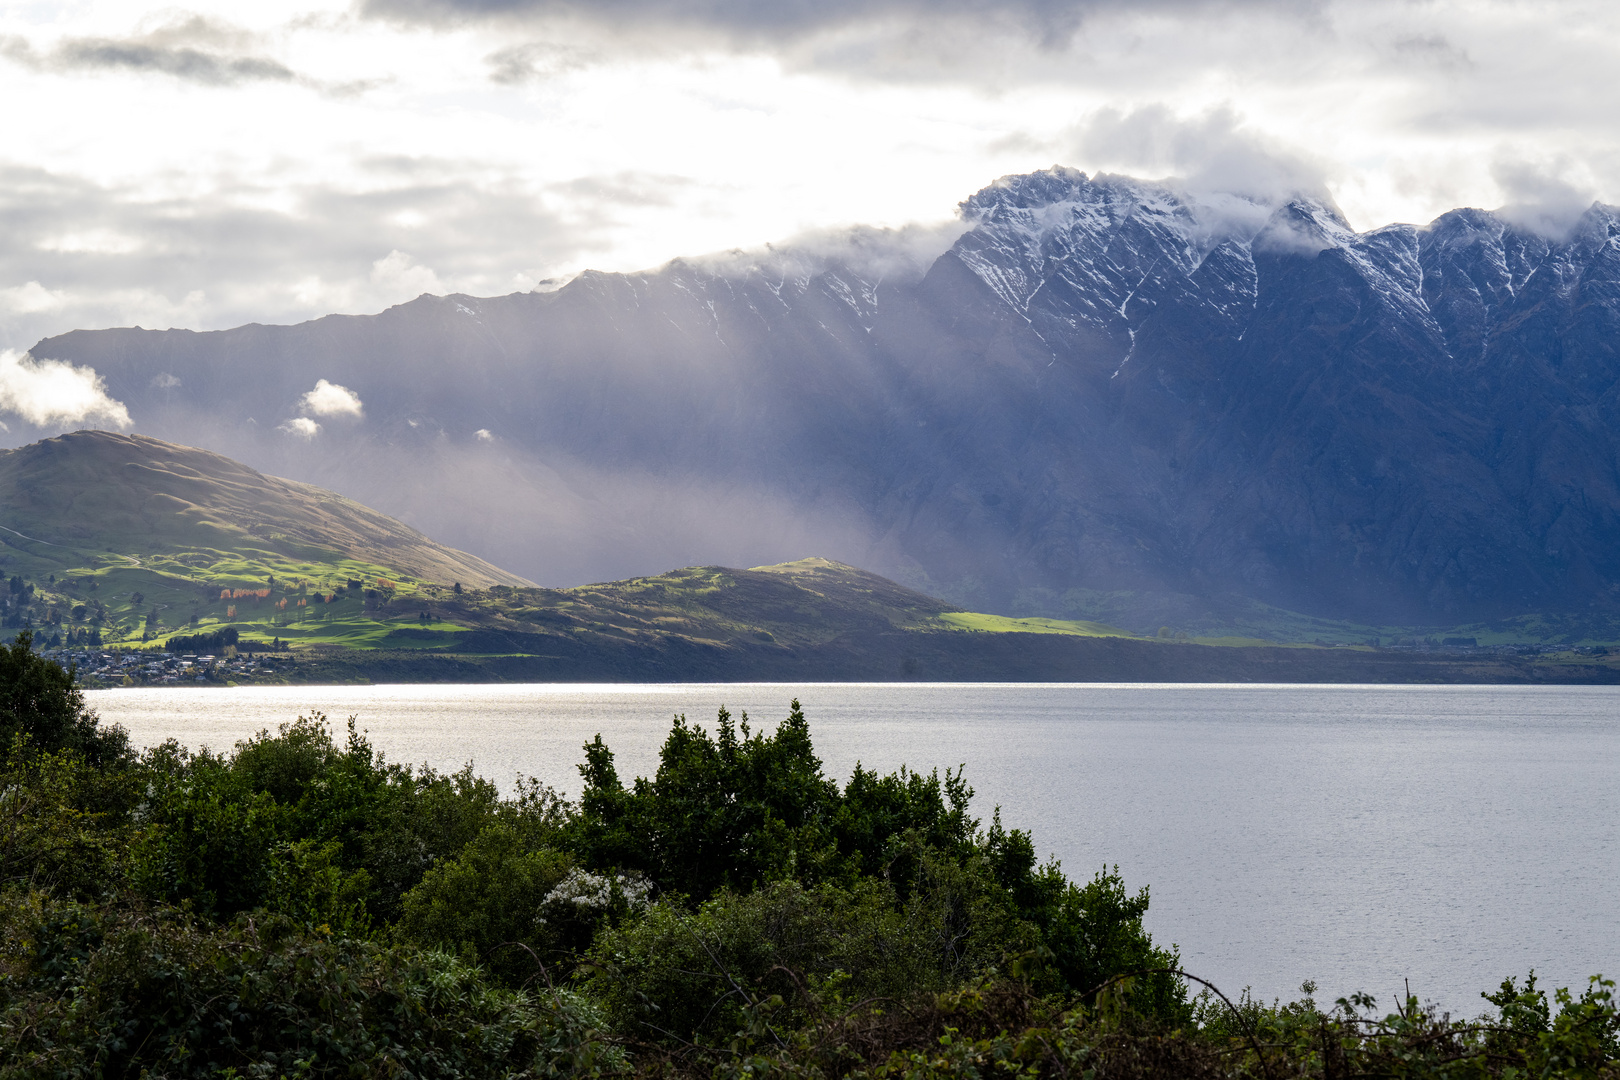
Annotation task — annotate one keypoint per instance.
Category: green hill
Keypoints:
(129, 538)
(792, 605)
(126, 541)
(123, 540)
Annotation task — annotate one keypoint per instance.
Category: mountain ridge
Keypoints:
(1105, 387)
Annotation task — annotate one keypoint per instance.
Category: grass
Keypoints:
(1001, 624)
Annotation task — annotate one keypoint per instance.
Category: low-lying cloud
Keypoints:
(1209, 152)
(1543, 197)
(1237, 175)
(52, 393)
(876, 254)
(301, 427)
(330, 399)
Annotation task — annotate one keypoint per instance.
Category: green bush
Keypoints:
(220, 827)
(40, 702)
(101, 991)
(734, 812)
(487, 903)
(685, 974)
(65, 825)
(209, 843)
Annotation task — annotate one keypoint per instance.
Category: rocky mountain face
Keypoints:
(1105, 387)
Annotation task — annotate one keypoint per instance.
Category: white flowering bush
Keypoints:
(585, 895)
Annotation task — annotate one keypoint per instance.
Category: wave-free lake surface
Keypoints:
(1355, 835)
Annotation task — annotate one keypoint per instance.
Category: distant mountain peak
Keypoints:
(1100, 387)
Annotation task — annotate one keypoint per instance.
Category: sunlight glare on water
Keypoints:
(1354, 835)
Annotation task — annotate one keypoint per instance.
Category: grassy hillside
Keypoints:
(129, 538)
(795, 604)
(125, 541)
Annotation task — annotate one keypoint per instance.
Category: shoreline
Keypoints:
(919, 658)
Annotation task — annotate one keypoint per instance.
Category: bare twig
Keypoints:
(1248, 1028)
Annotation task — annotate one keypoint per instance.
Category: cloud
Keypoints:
(1237, 175)
(533, 62)
(226, 251)
(188, 64)
(192, 49)
(1434, 49)
(877, 254)
(330, 399)
(31, 299)
(484, 435)
(301, 426)
(52, 392)
(769, 19)
(1208, 152)
(1546, 197)
(164, 381)
(750, 21)
(398, 275)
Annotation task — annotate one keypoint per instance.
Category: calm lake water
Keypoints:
(1355, 835)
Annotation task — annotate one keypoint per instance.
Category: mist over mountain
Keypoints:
(1106, 397)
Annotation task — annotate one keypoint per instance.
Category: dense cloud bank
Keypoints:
(212, 165)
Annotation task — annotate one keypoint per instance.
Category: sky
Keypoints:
(214, 163)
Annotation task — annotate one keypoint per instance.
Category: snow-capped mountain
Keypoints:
(1104, 384)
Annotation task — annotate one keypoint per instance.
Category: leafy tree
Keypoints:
(40, 703)
(739, 808)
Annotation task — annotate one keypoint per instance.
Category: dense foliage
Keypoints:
(302, 906)
(41, 705)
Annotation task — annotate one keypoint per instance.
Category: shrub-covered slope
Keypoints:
(300, 906)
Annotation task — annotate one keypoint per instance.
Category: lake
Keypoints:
(1359, 836)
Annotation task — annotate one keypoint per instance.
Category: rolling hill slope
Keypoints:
(129, 537)
(101, 492)
(116, 540)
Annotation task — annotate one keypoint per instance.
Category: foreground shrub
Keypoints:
(999, 1027)
(65, 824)
(684, 975)
(41, 703)
(104, 991)
(487, 903)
